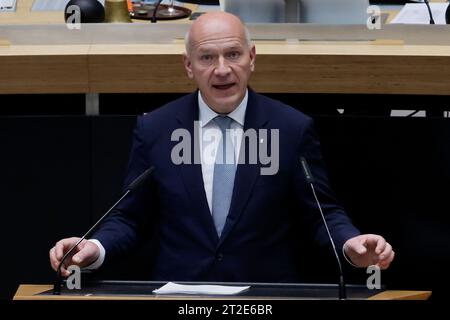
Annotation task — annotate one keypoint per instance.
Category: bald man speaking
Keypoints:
(228, 189)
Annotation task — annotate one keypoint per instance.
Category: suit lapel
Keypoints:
(191, 174)
(246, 174)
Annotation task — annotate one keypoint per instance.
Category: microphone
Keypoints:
(310, 180)
(429, 10)
(153, 19)
(447, 15)
(133, 185)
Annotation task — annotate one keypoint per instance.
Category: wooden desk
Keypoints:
(280, 67)
(30, 292)
(374, 67)
(23, 14)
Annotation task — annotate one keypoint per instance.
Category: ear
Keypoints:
(252, 58)
(188, 65)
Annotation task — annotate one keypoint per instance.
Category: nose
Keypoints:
(222, 68)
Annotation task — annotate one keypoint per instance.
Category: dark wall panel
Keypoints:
(42, 104)
(392, 175)
(45, 192)
(111, 144)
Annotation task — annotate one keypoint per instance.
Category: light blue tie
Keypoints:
(224, 172)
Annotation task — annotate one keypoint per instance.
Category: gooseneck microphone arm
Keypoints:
(155, 11)
(310, 180)
(429, 11)
(134, 185)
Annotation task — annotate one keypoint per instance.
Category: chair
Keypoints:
(256, 11)
(333, 11)
(304, 11)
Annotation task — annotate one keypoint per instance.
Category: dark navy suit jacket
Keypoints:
(258, 243)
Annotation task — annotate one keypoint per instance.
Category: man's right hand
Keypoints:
(83, 255)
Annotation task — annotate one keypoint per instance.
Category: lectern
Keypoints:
(142, 290)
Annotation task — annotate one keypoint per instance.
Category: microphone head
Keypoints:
(140, 179)
(447, 15)
(306, 170)
(89, 11)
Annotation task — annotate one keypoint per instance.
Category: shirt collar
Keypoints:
(206, 114)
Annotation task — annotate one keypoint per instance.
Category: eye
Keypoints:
(234, 55)
(206, 58)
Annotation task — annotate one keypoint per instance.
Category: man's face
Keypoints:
(220, 61)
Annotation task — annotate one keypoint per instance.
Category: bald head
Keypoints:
(220, 59)
(216, 25)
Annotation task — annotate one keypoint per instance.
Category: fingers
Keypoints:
(64, 271)
(63, 245)
(53, 260)
(369, 249)
(381, 245)
(59, 249)
(84, 255)
(88, 253)
(383, 250)
(386, 257)
(386, 263)
(57, 253)
(373, 241)
(355, 246)
(359, 248)
(386, 252)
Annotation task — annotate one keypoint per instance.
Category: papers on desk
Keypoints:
(417, 13)
(52, 5)
(59, 5)
(7, 5)
(207, 8)
(175, 288)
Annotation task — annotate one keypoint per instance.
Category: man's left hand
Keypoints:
(369, 249)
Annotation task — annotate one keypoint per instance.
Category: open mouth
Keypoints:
(223, 86)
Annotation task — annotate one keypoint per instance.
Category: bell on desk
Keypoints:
(88, 11)
(117, 11)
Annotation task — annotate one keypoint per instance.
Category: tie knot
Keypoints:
(224, 122)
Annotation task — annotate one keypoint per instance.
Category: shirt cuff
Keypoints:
(347, 258)
(97, 263)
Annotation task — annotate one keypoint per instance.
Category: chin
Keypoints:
(225, 105)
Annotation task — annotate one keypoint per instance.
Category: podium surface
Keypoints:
(138, 290)
(38, 51)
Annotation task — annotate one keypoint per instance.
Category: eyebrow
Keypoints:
(235, 47)
(209, 49)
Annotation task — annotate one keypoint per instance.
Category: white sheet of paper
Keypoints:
(59, 5)
(207, 8)
(175, 288)
(52, 5)
(417, 13)
(7, 5)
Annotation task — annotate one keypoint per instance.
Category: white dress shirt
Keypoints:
(209, 130)
(208, 144)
